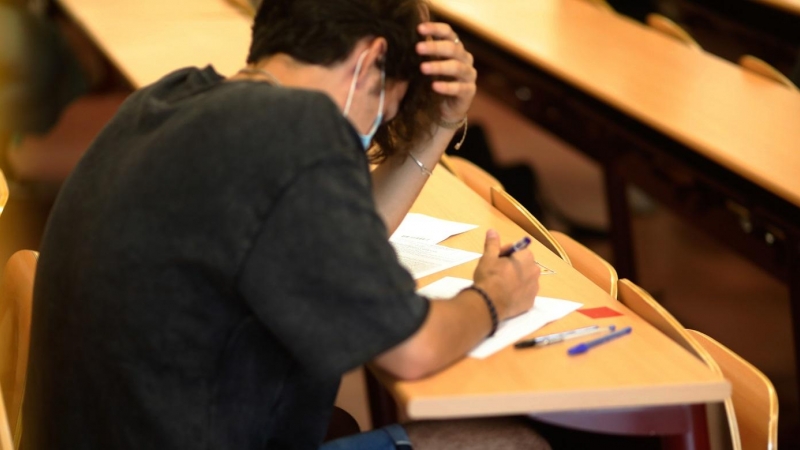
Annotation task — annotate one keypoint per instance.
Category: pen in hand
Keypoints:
(520, 245)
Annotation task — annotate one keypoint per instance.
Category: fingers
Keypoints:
(453, 88)
(463, 75)
(505, 248)
(491, 248)
(451, 68)
(445, 49)
(454, 61)
(456, 64)
(437, 30)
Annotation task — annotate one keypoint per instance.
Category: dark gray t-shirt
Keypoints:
(210, 269)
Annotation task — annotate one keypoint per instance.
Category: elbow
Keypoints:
(416, 369)
(410, 364)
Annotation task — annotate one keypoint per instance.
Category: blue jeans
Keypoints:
(387, 438)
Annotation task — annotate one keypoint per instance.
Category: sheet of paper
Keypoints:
(426, 229)
(544, 311)
(424, 259)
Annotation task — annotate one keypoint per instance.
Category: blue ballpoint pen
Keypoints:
(585, 346)
(521, 244)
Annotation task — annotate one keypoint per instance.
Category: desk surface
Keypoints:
(740, 120)
(147, 39)
(643, 369)
(737, 119)
(791, 6)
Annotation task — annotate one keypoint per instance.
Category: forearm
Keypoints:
(452, 328)
(398, 181)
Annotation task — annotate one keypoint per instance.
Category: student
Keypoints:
(220, 256)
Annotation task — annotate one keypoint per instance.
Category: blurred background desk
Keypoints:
(717, 145)
(731, 28)
(790, 6)
(147, 39)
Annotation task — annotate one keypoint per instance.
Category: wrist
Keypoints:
(453, 124)
(462, 124)
(490, 306)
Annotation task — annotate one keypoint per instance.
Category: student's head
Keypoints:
(326, 32)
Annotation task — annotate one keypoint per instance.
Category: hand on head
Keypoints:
(511, 282)
(451, 62)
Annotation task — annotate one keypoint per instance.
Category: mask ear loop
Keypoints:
(379, 118)
(349, 101)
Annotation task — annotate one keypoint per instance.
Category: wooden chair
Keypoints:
(512, 209)
(721, 426)
(755, 401)
(16, 301)
(3, 191)
(670, 421)
(645, 306)
(6, 441)
(671, 29)
(589, 263)
(473, 176)
(245, 6)
(763, 68)
(602, 4)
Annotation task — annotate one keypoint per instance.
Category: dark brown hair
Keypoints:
(324, 32)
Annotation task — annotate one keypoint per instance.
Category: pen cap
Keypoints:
(578, 349)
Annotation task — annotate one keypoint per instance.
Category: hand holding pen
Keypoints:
(519, 245)
(511, 283)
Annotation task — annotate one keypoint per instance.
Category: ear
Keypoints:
(375, 51)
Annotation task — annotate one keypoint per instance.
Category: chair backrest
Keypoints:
(763, 68)
(16, 301)
(754, 398)
(589, 263)
(470, 174)
(6, 441)
(3, 191)
(246, 6)
(602, 4)
(518, 214)
(645, 306)
(671, 29)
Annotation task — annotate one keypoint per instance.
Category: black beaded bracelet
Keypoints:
(489, 304)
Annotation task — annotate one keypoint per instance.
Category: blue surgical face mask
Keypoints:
(366, 139)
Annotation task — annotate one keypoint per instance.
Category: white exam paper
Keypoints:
(424, 259)
(544, 311)
(426, 229)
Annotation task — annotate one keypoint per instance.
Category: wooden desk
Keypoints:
(790, 6)
(731, 28)
(716, 144)
(643, 369)
(147, 39)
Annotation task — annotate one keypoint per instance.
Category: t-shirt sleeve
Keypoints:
(322, 276)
